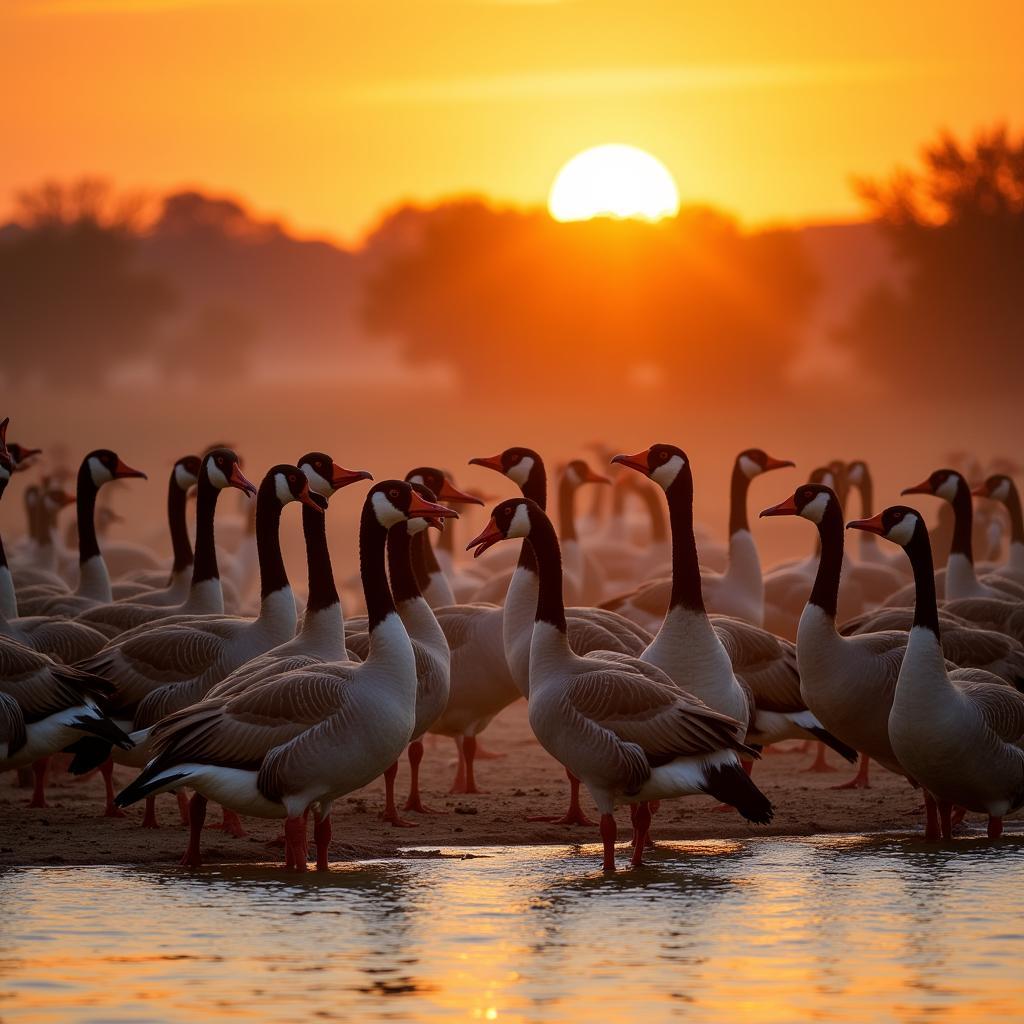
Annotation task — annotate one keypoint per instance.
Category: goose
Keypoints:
(688, 647)
(99, 467)
(583, 577)
(433, 659)
(35, 567)
(153, 587)
(961, 581)
(858, 476)
(958, 733)
(162, 666)
(617, 723)
(307, 737)
(44, 706)
(220, 470)
(999, 487)
(739, 591)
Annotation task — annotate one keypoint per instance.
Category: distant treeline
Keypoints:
(90, 279)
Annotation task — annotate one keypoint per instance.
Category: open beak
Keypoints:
(449, 492)
(237, 479)
(488, 537)
(872, 525)
(341, 477)
(637, 462)
(924, 487)
(784, 508)
(492, 462)
(770, 463)
(590, 477)
(121, 471)
(421, 507)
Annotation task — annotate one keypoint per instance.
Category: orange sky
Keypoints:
(328, 111)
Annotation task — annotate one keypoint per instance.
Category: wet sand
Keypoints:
(523, 782)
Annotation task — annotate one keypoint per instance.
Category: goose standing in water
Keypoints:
(619, 724)
(958, 733)
(301, 740)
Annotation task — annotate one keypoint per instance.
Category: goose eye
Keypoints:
(393, 493)
(897, 516)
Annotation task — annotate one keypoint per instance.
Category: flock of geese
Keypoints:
(650, 671)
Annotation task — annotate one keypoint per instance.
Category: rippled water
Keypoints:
(762, 930)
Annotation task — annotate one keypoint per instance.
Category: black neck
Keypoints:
(177, 499)
(268, 540)
(420, 545)
(3, 554)
(919, 550)
(566, 508)
(536, 489)
(544, 544)
(738, 489)
(686, 588)
(85, 500)
(431, 566)
(404, 586)
(1016, 520)
(376, 593)
(825, 592)
(205, 564)
(963, 522)
(319, 573)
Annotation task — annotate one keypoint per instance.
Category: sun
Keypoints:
(613, 181)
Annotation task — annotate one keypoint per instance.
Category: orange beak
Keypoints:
(341, 477)
(639, 462)
(306, 498)
(421, 507)
(872, 525)
(64, 499)
(784, 508)
(121, 470)
(590, 477)
(980, 492)
(492, 462)
(449, 492)
(488, 537)
(238, 480)
(770, 463)
(924, 487)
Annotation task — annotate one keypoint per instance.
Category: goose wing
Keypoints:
(764, 662)
(12, 724)
(1000, 705)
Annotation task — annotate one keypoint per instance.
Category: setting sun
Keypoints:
(613, 181)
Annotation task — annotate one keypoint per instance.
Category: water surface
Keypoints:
(831, 929)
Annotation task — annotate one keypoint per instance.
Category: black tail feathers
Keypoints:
(732, 785)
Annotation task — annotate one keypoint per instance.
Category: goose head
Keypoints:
(898, 523)
(288, 484)
(421, 523)
(663, 463)
(753, 462)
(577, 473)
(809, 501)
(515, 463)
(943, 483)
(823, 475)
(325, 476)
(223, 468)
(440, 486)
(54, 499)
(186, 471)
(396, 501)
(998, 487)
(857, 472)
(103, 466)
(509, 519)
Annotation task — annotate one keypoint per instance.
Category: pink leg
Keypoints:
(107, 771)
(860, 780)
(295, 841)
(641, 826)
(608, 832)
(469, 752)
(149, 818)
(39, 782)
(487, 755)
(931, 827)
(415, 802)
(995, 827)
(820, 763)
(946, 818)
(182, 805)
(575, 814)
(390, 812)
(196, 816)
(459, 785)
(322, 838)
(230, 824)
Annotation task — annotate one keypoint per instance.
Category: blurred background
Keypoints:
(326, 225)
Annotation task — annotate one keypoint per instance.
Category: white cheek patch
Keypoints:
(316, 481)
(520, 525)
(386, 513)
(520, 472)
(4, 474)
(573, 477)
(903, 530)
(417, 525)
(815, 510)
(828, 480)
(664, 476)
(1002, 492)
(99, 473)
(416, 478)
(284, 492)
(948, 490)
(216, 474)
(856, 475)
(749, 466)
(183, 478)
